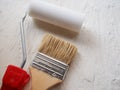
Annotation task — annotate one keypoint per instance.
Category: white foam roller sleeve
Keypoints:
(53, 14)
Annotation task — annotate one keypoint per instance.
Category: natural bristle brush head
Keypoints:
(58, 48)
(50, 65)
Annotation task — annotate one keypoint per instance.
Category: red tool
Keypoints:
(15, 78)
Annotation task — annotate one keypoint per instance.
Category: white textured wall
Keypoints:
(97, 63)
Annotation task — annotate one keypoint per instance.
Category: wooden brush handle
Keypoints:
(42, 80)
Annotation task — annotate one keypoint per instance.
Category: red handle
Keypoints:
(15, 78)
(6, 88)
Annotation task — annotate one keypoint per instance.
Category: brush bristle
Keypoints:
(57, 48)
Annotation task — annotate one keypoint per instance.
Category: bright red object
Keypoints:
(14, 78)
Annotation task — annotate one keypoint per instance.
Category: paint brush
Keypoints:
(51, 62)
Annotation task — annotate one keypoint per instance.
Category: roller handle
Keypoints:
(14, 78)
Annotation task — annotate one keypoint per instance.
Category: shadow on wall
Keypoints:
(87, 38)
(84, 36)
(55, 29)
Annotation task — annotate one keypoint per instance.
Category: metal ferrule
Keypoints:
(50, 65)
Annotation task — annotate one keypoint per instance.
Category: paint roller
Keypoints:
(55, 15)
